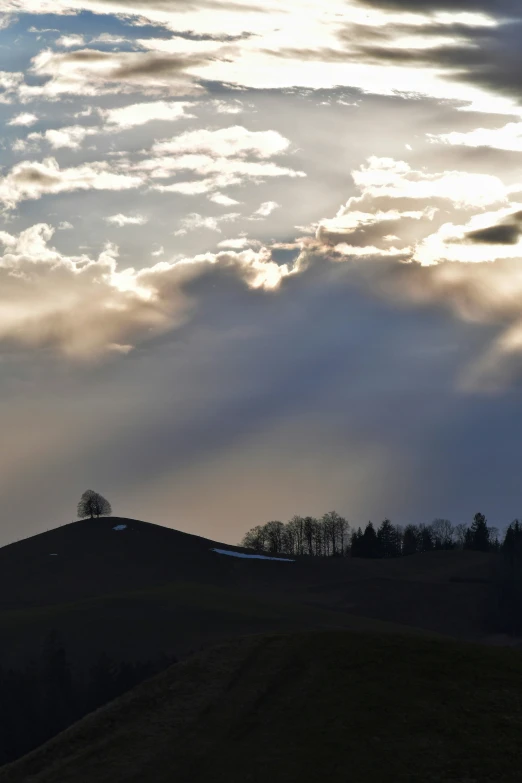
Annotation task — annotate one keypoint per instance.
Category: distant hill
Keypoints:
(146, 589)
(332, 706)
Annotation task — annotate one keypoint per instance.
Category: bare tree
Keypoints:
(275, 535)
(460, 534)
(255, 539)
(310, 526)
(443, 532)
(92, 504)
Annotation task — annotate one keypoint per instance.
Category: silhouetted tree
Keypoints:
(460, 531)
(494, 539)
(426, 538)
(275, 536)
(356, 542)
(411, 540)
(255, 539)
(388, 545)
(92, 504)
(369, 542)
(309, 528)
(479, 538)
(509, 615)
(443, 532)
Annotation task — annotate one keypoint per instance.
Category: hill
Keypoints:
(332, 706)
(145, 589)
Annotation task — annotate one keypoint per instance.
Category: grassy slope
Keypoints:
(175, 618)
(332, 706)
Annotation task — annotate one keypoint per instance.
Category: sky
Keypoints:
(260, 259)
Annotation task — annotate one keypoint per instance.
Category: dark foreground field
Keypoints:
(334, 706)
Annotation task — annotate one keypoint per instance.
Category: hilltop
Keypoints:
(332, 706)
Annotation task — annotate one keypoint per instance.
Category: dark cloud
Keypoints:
(147, 64)
(485, 56)
(496, 8)
(154, 65)
(488, 57)
(506, 233)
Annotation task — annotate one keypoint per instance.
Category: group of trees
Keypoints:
(331, 535)
(39, 701)
(301, 536)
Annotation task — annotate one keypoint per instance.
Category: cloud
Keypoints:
(140, 113)
(68, 41)
(86, 307)
(483, 54)
(396, 179)
(508, 137)
(220, 198)
(506, 233)
(239, 243)
(234, 141)
(33, 179)
(10, 83)
(93, 72)
(223, 157)
(127, 220)
(23, 119)
(70, 137)
(501, 8)
(195, 221)
(266, 209)
(220, 158)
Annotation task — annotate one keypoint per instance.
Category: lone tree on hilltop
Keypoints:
(92, 504)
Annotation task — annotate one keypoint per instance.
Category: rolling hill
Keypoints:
(145, 589)
(304, 707)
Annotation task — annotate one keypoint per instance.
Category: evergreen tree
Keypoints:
(387, 539)
(356, 542)
(426, 539)
(411, 542)
(480, 533)
(369, 542)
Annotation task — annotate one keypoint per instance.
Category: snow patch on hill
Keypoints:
(251, 557)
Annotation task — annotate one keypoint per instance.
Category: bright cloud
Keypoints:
(24, 119)
(32, 180)
(141, 113)
(127, 220)
(195, 221)
(266, 209)
(235, 141)
(68, 41)
(71, 137)
(508, 137)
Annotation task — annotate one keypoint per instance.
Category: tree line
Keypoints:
(44, 698)
(332, 536)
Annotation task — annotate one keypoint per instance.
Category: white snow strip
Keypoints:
(251, 557)
(120, 527)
